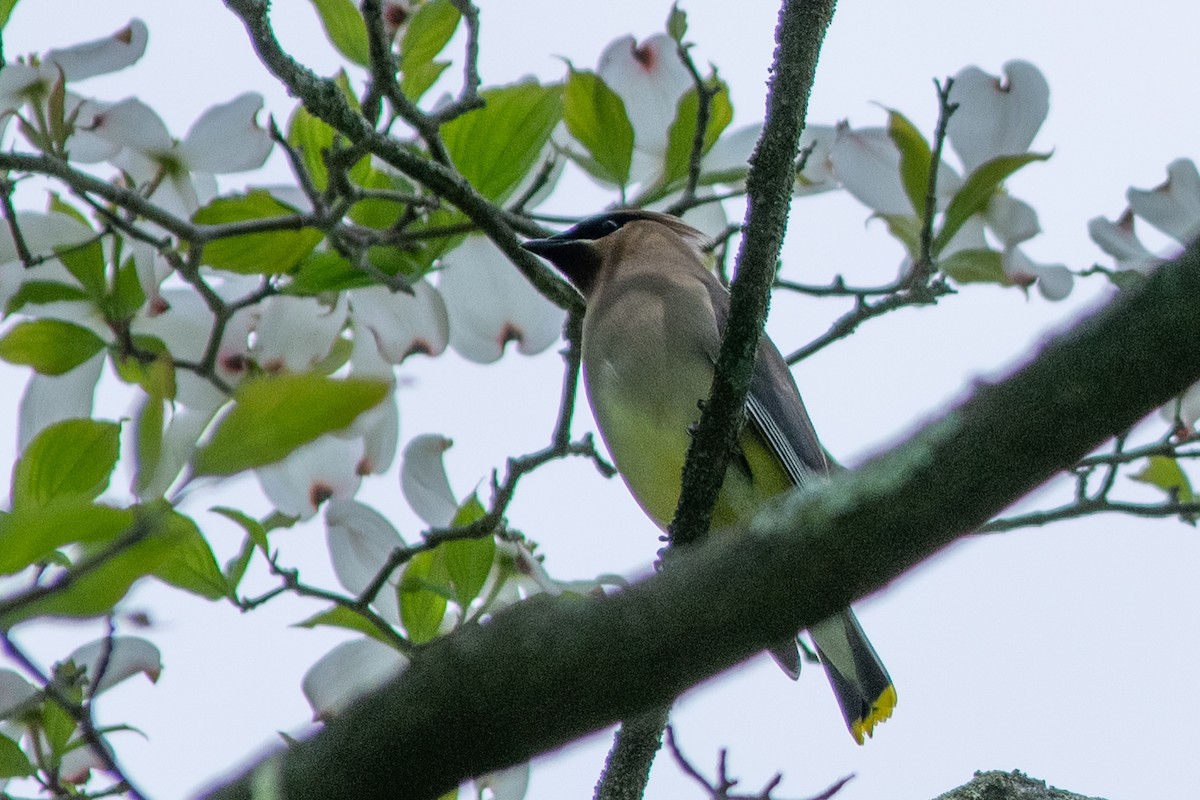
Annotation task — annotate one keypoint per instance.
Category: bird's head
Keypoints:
(580, 253)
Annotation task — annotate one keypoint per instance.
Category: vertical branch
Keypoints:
(801, 30)
(798, 36)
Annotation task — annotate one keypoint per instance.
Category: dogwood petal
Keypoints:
(1012, 220)
(321, 470)
(227, 138)
(133, 124)
(179, 441)
(650, 79)
(347, 672)
(1054, 280)
(489, 303)
(994, 117)
(424, 482)
(403, 324)
(53, 398)
(505, 784)
(99, 57)
(295, 333)
(127, 656)
(1185, 409)
(15, 692)
(867, 163)
(1174, 206)
(360, 540)
(1120, 240)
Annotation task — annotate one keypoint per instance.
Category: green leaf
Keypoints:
(977, 191)
(496, 146)
(86, 263)
(974, 266)
(1165, 473)
(348, 619)
(191, 565)
(374, 213)
(59, 727)
(916, 158)
(148, 434)
(682, 133)
(677, 23)
(427, 34)
(127, 296)
(274, 415)
(150, 367)
(326, 271)
(32, 534)
(312, 138)
(13, 761)
(469, 561)
(6, 9)
(97, 592)
(254, 529)
(423, 593)
(50, 346)
(345, 28)
(70, 460)
(42, 292)
(595, 115)
(267, 253)
(906, 230)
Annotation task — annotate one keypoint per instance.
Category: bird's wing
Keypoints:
(773, 403)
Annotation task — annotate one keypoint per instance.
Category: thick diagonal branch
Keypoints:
(551, 670)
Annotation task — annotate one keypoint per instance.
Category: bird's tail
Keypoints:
(861, 682)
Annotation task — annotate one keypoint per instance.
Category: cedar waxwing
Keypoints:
(651, 333)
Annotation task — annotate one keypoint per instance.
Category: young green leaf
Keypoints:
(274, 415)
(31, 535)
(342, 617)
(977, 191)
(345, 28)
(496, 146)
(1165, 473)
(916, 158)
(148, 439)
(191, 565)
(50, 346)
(423, 593)
(13, 761)
(312, 138)
(6, 9)
(427, 34)
(974, 266)
(469, 561)
(677, 23)
(42, 292)
(71, 460)
(255, 530)
(267, 253)
(682, 134)
(595, 115)
(86, 263)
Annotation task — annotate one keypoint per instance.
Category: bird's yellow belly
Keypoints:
(648, 440)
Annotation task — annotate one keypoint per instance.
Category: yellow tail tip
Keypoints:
(881, 709)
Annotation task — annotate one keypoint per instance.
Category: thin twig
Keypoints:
(80, 713)
(863, 311)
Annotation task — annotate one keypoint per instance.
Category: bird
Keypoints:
(652, 326)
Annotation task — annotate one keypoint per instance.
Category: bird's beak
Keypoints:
(548, 247)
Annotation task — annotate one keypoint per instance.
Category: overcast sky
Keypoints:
(1068, 652)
